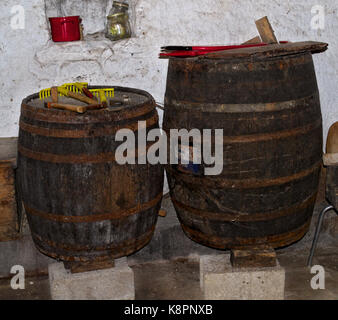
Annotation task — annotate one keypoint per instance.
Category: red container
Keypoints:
(65, 28)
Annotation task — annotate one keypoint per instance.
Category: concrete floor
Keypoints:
(178, 278)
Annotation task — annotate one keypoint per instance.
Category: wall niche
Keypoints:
(92, 12)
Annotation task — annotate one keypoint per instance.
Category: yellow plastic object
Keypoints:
(45, 93)
(103, 98)
(77, 87)
(110, 92)
(63, 90)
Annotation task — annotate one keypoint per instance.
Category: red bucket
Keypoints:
(65, 28)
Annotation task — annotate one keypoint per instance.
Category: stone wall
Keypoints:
(30, 61)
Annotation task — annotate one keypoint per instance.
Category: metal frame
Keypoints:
(315, 240)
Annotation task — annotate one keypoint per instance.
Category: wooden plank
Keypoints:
(8, 232)
(330, 159)
(332, 139)
(85, 266)
(8, 148)
(331, 187)
(265, 30)
(8, 212)
(273, 50)
(255, 257)
(254, 40)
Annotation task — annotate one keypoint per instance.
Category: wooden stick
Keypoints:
(76, 96)
(64, 106)
(254, 40)
(265, 31)
(79, 267)
(54, 94)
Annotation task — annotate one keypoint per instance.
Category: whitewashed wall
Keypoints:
(30, 61)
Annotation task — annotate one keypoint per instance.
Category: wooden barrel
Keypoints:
(268, 107)
(81, 204)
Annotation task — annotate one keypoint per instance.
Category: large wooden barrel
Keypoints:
(81, 204)
(267, 104)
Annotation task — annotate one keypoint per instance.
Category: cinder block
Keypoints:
(109, 284)
(220, 281)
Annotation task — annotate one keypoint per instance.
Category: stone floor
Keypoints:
(179, 278)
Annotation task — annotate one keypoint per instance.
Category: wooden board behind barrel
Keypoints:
(331, 162)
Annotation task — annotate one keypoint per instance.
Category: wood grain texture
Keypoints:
(265, 30)
(269, 111)
(254, 257)
(81, 204)
(8, 205)
(270, 51)
(331, 189)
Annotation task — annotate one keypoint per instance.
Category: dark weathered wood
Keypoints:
(86, 266)
(81, 204)
(253, 257)
(8, 148)
(273, 50)
(269, 111)
(8, 205)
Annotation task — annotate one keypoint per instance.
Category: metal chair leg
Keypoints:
(315, 240)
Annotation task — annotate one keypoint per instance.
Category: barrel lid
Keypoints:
(127, 102)
(269, 51)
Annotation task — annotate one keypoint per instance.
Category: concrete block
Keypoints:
(220, 281)
(109, 284)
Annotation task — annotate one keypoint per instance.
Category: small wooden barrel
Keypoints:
(81, 204)
(267, 103)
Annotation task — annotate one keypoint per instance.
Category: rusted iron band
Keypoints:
(221, 183)
(58, 116)
(237, 217)
(181, 106)
(73, 158)
(252, 138)
(113, 253)
(275, 241)
(89, 248)
(95, 217)
(97, 132)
